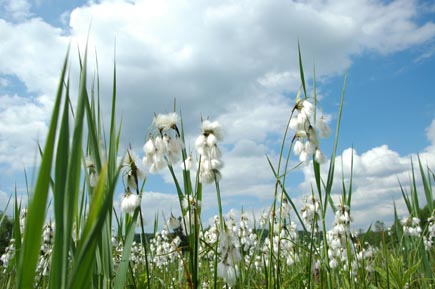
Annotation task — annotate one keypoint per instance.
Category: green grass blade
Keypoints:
(37, 207)
(405, 198)
(17, 228)
(58, 274)
(414, 195)
(301, 71)
(72, 188)
(5, 210)
(331, 169)
(93, 138)
(427, 186)
(113, 137)
(121, 274)
(101, 204)
(349, 198)
(286, 194)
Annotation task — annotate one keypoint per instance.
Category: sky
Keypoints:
(235, 62)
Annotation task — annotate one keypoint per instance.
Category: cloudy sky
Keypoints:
(235, 62)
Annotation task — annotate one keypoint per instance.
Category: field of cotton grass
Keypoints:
(87, 244)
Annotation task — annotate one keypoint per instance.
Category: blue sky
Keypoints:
(235, 62)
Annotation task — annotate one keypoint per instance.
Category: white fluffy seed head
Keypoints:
(149, 147)
(214, 128)
(324, 129)
(319, 157)
(129, 203)
(298, 147)
(166, 121)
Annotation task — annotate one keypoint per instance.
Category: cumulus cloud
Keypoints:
(16, 10)
(166, 204)
(35, 52)
(23, 124)
(430, 134)
(4, 199)
(377, 176)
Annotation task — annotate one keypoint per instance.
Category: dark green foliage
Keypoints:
(6, 226)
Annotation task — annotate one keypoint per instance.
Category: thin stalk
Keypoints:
(145, 246)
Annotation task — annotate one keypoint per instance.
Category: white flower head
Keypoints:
(214, 128)
(89, 163)
(312, 135)
(187, 164)
(130, 180)
(166, 121)
(296, 124)
(134, 172)
(228, 273)
(319, 157)
(304, 107)
(174, 223)
(323, 127)
(130, 202)
(298, 147)
(149, 147)
(303, 157)
(129, 158)
(93, 178)
(93, 175)
(307, 107)
(209, 176)
(310, 147)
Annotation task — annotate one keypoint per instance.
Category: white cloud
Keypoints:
(35, 52)
(17, 10)
(430, 133)
(375, 182)
(160, 205)
(4, 199)
(23, 123)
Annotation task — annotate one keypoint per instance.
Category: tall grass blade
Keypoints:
(405, 197)
(121, 274)
(28, 257)
(84, 261)
(58, 274)
(301, 71)
(414, 196)
(427, 186)
(331, 169)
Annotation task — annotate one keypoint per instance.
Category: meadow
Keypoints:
(87, 244)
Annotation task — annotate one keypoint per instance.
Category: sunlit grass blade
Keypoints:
(17, 227)
(113, 136)
(5, 209)
(104, 244)
(301, 71)
(330, 178)
(286, 194)
(414, 195)
(72, 185)
(100, 205)
(427, 186)
(121, 273)
(405, 197)
(28, 257)
(58, 276)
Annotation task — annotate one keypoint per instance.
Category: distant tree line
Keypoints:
(6, 225)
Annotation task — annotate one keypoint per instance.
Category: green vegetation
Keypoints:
(5, 232)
